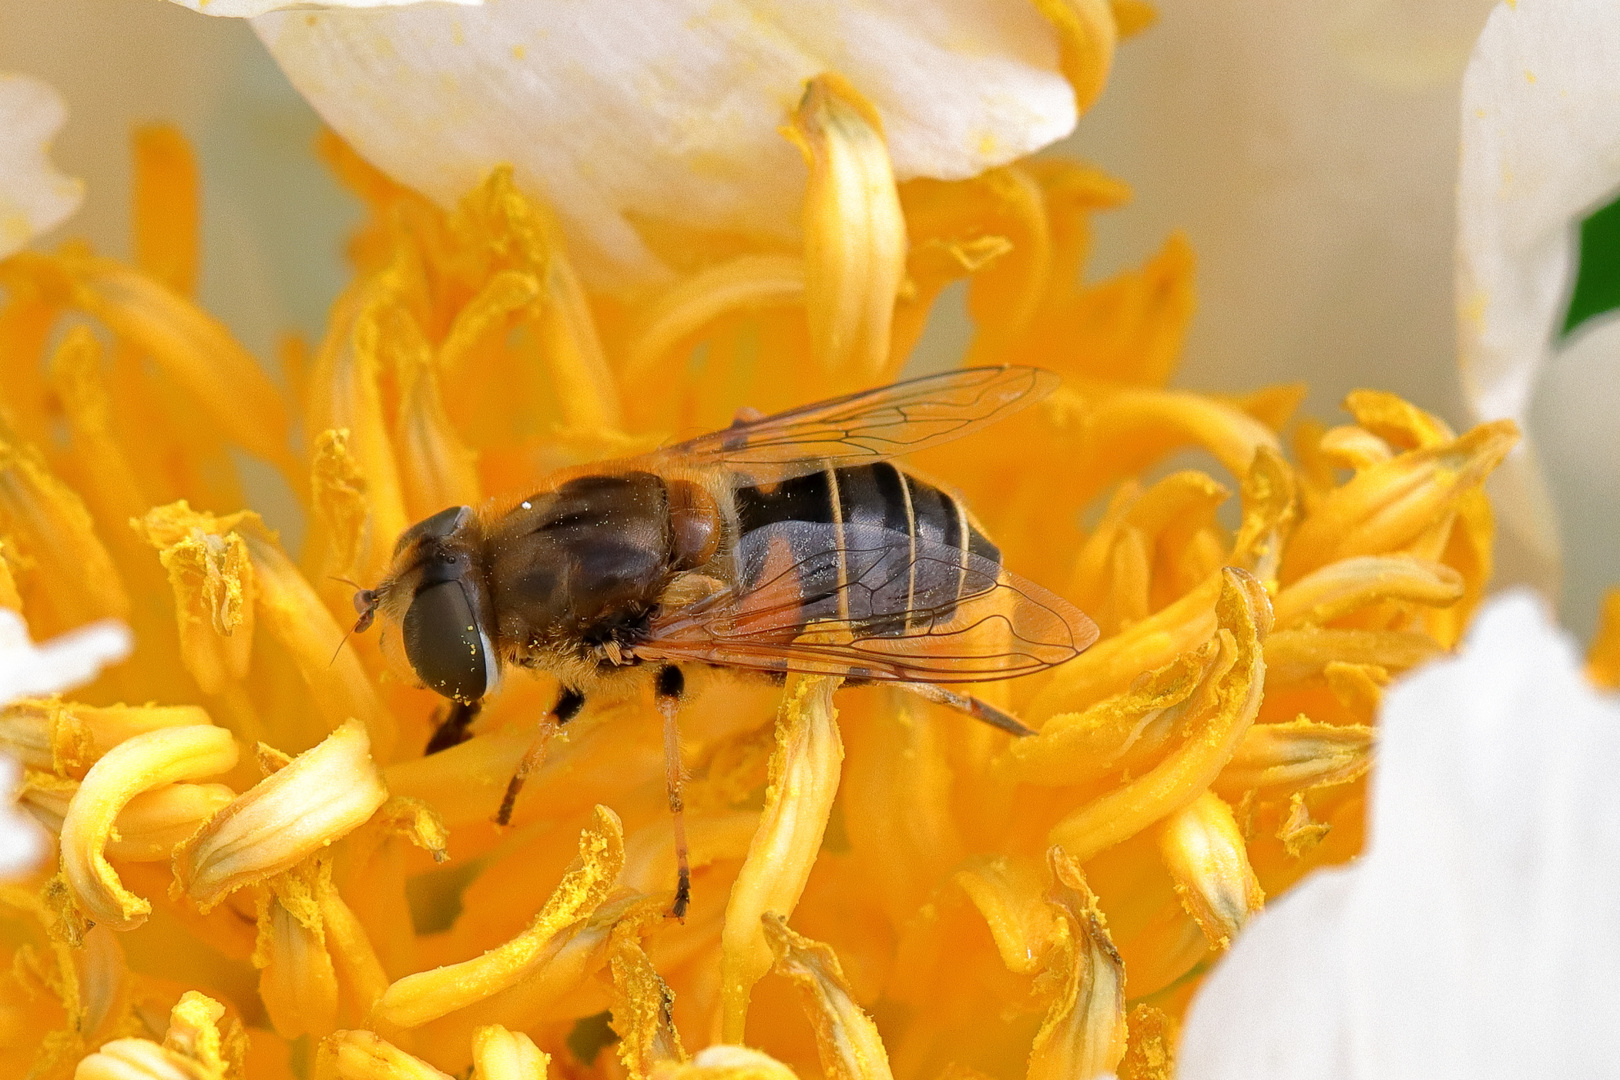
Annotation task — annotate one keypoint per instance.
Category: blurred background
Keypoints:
(1307, 148)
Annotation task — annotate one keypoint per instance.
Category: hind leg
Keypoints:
(671, 685)
(972, 706)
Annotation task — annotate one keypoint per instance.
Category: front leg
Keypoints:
(569, 702)
(671, 686)
(452, 730)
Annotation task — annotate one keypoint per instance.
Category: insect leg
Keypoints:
(970, 705)
(671, 684)
(452, 730)
(569, 702)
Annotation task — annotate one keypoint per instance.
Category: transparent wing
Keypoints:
(869, 426)
(869, 603)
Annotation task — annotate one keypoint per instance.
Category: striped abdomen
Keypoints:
(867, 544)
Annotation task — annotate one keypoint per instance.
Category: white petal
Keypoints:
(63, 662)
(27, 670)
(667, 112)
(34, 196)
(247, 9)
(1540, 148)
(1275, 1006)
(1309, 151)
(1479, 934)
(22, 841)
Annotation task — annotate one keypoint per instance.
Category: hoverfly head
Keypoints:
(437, 597)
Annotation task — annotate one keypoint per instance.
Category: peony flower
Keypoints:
(259, 872)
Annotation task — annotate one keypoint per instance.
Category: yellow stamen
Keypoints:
(1151, 1052)
(27, 317)
(68, 737)
(931, 264)
(900, 753)
(1355, 448)
(1603, 658)
(1087, 34)
(1133, 16)
(1470, 551)
(297, 980)
(337, 494)
(1073, 748)
(746, 283)
(1004, 298)
(505, 295)
(1083, 1034)
(1388, 506)
(149, 827)
(643, 1005)
(1269, 515)
(318, 797)
(345, 394)
(1126, 329)
(165, 218)
(292, 613)
(1205, 854)
(499, 1054)
(75, 375)
(1243, 615)
(1139, 542)
(1358, 687)
(1294, 656)
(1396, 421)
(193, 349)
(1350, 584)
(10, 598)
(141, 763)
(569, 347)
(1114, 663)
(804, 778)
(416, 999)
(364, 1055)
(1125, 430)
(50, 524)
(134, 1059)
(1299, 832)
(1010, 894)
(435, 466)
(855, 234)
(213, 582)
(725, 1062)
(1297, 755)
(359, 970)
(846, 1038)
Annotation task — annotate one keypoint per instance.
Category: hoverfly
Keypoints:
(789, 543)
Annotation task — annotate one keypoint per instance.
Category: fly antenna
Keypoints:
(344, 641)
(365, 606)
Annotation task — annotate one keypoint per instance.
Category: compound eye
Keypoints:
(445, 644)
(440, 525)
